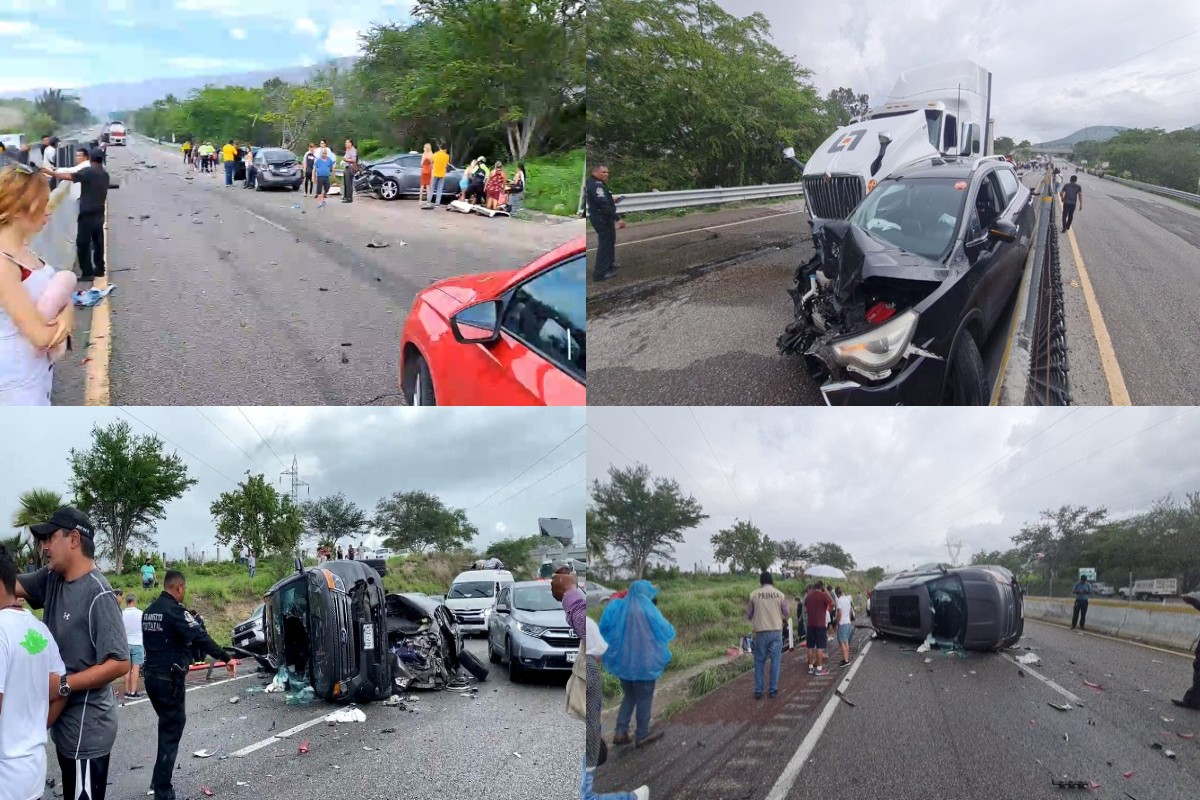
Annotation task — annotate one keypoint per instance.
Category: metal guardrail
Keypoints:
(661, 201)
(1046, 328)
(1160, 190)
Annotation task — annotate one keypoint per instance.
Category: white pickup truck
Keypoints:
(1145, 590)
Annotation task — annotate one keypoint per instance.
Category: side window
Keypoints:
(410, 162)
(987, 202)
(1009, 183)
(549, 314)
(503, 598)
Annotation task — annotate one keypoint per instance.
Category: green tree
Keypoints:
(517, 554)
(874, 574)
(1013, 560)
(597, 536)
(842, 105)
(295, 110)
(831, 554)
(417, 521)
(744, 546)
(643, 517)
(35, 507)
(331, 518)
(256, 516)
(791, 551)
(1003, 145)
(124, 482)
(1057, 539)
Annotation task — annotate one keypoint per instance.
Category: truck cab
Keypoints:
(116, 133)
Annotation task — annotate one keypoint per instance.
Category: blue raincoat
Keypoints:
(637, 634)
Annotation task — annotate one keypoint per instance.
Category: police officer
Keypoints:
(173, 637)
(602, 211)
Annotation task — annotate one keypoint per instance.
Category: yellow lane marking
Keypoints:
(95, 388)
(700, 230)
(1117, 392)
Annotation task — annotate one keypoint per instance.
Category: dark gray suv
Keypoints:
(977, 607)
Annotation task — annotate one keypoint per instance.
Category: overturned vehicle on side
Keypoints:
(899, 300)
(973, 608)
(333, 628)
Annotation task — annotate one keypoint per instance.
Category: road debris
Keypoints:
(235, 700)
(925, 645)
(1129, 774)
(347, 715)
(1168, 719)
(206, 753)
(303, 747)
(377, 243)
(1062, 707)
(1071, 784)
(842, 697)
(1188, 736)
(1029, 659)
(1091, 685)
(207, 792)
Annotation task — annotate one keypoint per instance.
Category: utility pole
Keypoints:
(294, 473)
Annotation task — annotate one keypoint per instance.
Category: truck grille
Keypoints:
(834, 198)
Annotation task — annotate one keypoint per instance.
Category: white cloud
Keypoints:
(342, 40)
(203, 62)
(306, 25)
(8, 85)
(11, 27)
(52, 44)
(501, 528)
(237, 33)
(224, 8)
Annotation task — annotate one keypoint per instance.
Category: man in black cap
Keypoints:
(602, 211)
(1191, 698)
(173, 637)
(81, 611)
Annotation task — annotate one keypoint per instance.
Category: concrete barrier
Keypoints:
(1173, 626)
(56, 242)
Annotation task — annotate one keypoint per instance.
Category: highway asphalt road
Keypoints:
(699, 301)
(445, 745)
(973, 728)
(228, 296)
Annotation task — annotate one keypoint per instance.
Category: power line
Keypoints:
(695, 482)
(610, 444)
(123, 410)
(260, 436)
(1152, 49)
(226, 435)
(580, 455)
(560, 491)
(716, 462)
(531, 466)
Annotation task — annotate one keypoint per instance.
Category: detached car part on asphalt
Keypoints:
(333, 627)
(975, 608)
(899, 300)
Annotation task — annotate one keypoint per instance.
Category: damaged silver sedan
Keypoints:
(973, 608)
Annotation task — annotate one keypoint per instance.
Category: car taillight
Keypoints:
(881, 312)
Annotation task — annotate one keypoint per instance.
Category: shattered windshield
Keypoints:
(949, 608)
(918, 215)
(472, 589)
(535, 598)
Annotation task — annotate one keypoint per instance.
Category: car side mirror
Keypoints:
(477, 324)
(1002, 231)
(501, 608)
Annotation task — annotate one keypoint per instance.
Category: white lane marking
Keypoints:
(248, 749)
(269, 222)
(196, 688)
(1073, 698)
(792, 771)
(698, 230)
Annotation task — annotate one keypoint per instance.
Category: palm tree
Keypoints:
(37, 505)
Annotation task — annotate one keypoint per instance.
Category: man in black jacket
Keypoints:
(602, 211)
(173, 637)
(1191, 698)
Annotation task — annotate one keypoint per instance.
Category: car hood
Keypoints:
(851, 256)
(451, 295)
(555, 618)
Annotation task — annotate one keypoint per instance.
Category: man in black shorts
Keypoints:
(309, 159)
(1072, 197)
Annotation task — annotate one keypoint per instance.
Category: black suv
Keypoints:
(897, 303)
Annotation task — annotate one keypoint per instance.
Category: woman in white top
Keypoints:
(26, 371)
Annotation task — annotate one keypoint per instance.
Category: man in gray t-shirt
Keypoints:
(81, 611)
(1072, 199)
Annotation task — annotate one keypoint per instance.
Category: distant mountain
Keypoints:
(1095, 133)
(104, 98)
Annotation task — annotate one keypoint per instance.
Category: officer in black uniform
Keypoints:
(173, 637)
(602, 211)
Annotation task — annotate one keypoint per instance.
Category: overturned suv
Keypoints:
(897, 303)
(333, 627)
(974, 608)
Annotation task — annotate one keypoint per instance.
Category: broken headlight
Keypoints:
(878, 349)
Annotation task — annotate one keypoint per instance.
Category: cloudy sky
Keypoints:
(71, 43)
(1056, 67)
(462, 455)
(891, 485)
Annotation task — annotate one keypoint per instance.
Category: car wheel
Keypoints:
(516, 672)
(389, 189)
(473, 665)
(493, 656)
(417, 382)
(966, 383)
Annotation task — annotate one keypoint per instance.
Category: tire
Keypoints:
(516, 673)
(966, 381)
(417, 383)
(473, 665)
(389, 189)
(493, 656)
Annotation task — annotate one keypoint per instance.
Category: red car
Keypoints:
(500, 338)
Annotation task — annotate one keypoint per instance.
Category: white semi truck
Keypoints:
(937, 110)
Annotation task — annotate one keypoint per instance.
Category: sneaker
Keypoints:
(843, 664)
(821, 672)
(774, 694)
(811, 669)
(642, 793)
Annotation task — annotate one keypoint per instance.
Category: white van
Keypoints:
(472, 596)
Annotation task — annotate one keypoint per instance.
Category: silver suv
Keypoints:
(528, 629)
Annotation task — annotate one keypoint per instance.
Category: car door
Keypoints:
(540, 357)
(988, 208)
(1017, 212)
(410, 174)
(498, 621)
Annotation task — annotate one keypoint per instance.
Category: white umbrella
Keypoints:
(824, 571)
